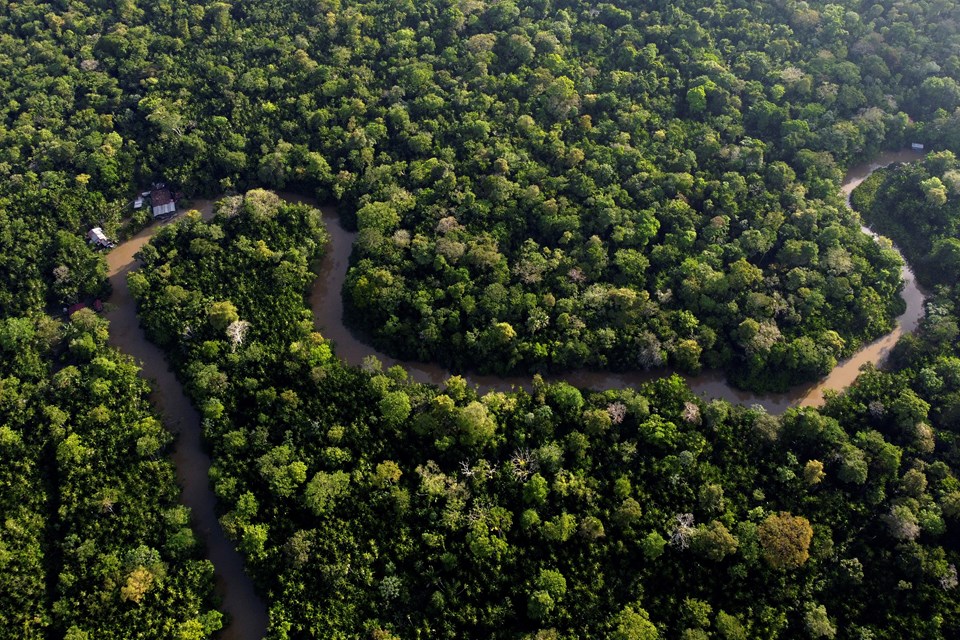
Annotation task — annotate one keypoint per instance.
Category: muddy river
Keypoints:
(328, 316)
(247, 611)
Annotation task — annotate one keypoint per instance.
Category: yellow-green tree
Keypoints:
(785, 540)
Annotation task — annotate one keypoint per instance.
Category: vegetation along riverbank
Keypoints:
(640, 202)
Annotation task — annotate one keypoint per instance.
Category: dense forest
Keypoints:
(538, 185)
(94, 543)
(919, 205)
(364, 501)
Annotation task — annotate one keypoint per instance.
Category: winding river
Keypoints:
(247, 612)
(327, 307)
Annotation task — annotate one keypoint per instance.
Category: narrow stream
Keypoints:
(247, 611)
(327, 306)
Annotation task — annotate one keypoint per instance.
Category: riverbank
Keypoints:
(327, 306)
(247, 612)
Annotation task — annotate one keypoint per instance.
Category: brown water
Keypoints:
(247, 612)
(328, 316)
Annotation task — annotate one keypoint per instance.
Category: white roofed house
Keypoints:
(162, 202)
(98, 237)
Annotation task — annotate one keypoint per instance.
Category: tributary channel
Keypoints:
(247, 612)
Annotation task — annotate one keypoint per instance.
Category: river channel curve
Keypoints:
(248, 618)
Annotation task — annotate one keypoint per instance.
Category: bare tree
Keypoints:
(61, 274)
(949, 579)
(617, 412)
(237, 332)
(691, 413)
(448, 225)
(902, 523)
(523, 463)
(680, 537)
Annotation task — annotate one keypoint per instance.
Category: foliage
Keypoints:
(918, 204)
(535, 185)
(539, 185)
(516, 514)
(785, 540)
(93, 541)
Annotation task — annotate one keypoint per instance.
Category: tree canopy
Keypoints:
(535, 186)
(363, 500)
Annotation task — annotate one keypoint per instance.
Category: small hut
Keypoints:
(97, 237)
(162, 202)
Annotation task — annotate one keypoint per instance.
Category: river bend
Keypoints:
(327, 306)
(247, 612)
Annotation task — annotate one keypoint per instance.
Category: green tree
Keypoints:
(475, 425)
(633, 623)
(713, 541)
(221, 314)
(395, 407)
(324, 490)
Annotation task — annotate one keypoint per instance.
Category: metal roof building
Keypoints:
(162, 202)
